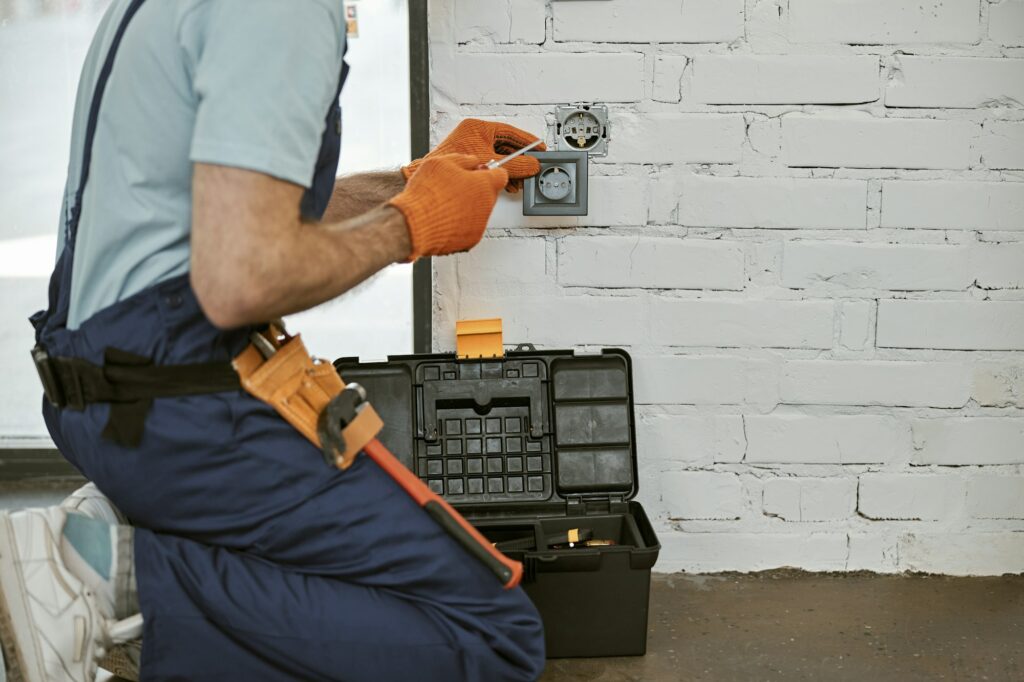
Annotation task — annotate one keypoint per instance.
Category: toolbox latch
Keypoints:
(580, 505)
(475, 339)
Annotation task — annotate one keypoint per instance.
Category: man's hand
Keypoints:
(254, 259)
(447, 203)
(487, 141)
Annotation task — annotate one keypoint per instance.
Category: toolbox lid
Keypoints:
(530, 432)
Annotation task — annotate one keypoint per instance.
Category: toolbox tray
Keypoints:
(534, 444)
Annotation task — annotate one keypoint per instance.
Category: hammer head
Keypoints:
(339, 413)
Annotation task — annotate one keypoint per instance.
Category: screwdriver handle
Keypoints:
(509, 572)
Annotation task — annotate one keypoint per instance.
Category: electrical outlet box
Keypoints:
(561, 186)
(582, 127)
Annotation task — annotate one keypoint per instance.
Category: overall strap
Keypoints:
(94, 114)
(59, 298)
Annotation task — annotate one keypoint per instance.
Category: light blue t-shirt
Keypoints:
(244, 83)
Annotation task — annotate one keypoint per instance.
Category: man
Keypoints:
(201, 203)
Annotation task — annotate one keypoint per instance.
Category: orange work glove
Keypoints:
(487, 141)
(447, 202)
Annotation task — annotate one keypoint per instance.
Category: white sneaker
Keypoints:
(121, 659)
(88, 500)
(50, 625)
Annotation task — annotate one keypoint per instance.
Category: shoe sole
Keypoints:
(14, 616)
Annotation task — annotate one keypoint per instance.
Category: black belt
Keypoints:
(129, 383)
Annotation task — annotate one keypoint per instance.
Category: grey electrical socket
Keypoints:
(561, 186)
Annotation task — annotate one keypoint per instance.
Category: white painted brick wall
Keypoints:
(1002, 144)
(662, 263)
(786, 203)
(956, 83)
(784, 79)
(809, 234)
(996, 497)
(644, 21)
(863, 141)
(671, 138)
(913, 497)
(970, 440)
(803, 439)
(1006, 23)
(953, 325)
(884, 21)
(951, 204)
(702, 495)
(810, 499)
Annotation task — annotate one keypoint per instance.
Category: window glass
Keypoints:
(42, 47)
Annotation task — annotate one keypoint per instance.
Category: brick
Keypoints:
(951, 325)
(801, 439)
(873, 551)
(999, 384)
(899, 267)
(912, 497)
(855, 324)
(810, 499)
(668, 76)
(747, 323)
(500, 21)
(495, 265)
(894, 383)
(998, 266)
(858, 141)
(674, 138)
(445, 123)
(649, 21)
(702, 495)
(668, 263)
(974, 553)
(687, 438)
(942, 204)
(1006, 23)
(785, 79)
(956, 83)
(990, 496)
(543, 79)
(702, 380)
(968, 441)
(786, 203)
(716, 552)
(1002, 145)
(882, 22)
(563, 321)
(616, 200)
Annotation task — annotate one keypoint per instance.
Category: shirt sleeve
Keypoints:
(264, 73)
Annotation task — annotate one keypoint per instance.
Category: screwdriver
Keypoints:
(492, 164)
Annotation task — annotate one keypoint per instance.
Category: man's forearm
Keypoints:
(254, 260)
(354, 195)
(324, 260)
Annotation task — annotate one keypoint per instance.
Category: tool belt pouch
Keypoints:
(295, 385)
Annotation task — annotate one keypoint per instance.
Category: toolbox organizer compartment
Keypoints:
(534, 444)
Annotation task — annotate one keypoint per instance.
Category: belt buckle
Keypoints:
(48, 377)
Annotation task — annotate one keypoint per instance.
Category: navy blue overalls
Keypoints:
(256, 561)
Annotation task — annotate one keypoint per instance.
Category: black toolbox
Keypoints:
(529, 447)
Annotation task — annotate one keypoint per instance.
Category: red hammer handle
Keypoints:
(508, 572)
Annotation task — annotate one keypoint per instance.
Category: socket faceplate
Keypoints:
(582, 127)
(561, 186)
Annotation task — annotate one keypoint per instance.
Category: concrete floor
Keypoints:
(789, 625)
(786, 625)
